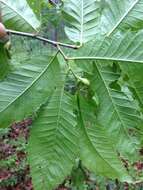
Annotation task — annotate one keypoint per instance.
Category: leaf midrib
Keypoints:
(59, 110)
(123, 17)
(114, 106)
(85, 131)
(106, 59)
(82, 22)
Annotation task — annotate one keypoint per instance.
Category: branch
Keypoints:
(40, 38)
(62, 53)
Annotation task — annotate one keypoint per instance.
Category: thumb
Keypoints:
(3, 34)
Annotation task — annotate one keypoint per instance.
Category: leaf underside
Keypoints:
(17, 15)
(117, 112)
(121, 15)
(82, 17)
(96, 148)
(23, 91)
(52, 146)
(125, 48)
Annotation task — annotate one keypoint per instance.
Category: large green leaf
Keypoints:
(53, 141)
(97, 149)
(4, 62)
(135, 79)
(117, 111)
(82, 19)
(19, 16)
(123, 14)
(126, 49)
(24, 90)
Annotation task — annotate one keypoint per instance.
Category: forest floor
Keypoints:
(15, 172)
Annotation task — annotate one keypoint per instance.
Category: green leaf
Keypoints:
(97, 150)
(126, 49)
(135, 79)
(53, 141)
(117, 111)
(4, 62)
(17, 15)
(36, 6)
(24, 90)
(82, 19)
(122, 15)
